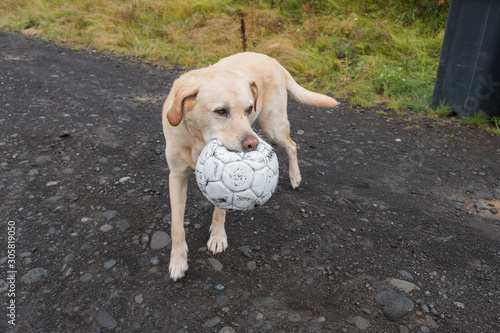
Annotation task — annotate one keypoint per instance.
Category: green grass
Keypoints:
(443, 110)
(478, 118)
(495, 129)
(370, 52)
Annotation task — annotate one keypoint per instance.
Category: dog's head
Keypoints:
(216, 104)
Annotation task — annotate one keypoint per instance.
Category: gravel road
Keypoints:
(395, 227)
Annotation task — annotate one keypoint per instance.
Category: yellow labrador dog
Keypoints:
(221, 102)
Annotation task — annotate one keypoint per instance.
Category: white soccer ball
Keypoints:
(237, 180)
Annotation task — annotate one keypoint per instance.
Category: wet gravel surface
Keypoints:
(395, 227)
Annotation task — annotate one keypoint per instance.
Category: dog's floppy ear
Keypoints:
(255, 93)
(184, 97)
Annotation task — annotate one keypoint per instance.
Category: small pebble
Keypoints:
(318, 320)
(216, 265)
(160, 240)
(109, 214)
(360, 322)
(106, 227)
(106, 320)
(122, 225)
(395, 305)
(245, 249)
(139, 299)
(124, 180)
(251, 265)
(109, 264)
(212, 322)
(87, 277)
(34, 275)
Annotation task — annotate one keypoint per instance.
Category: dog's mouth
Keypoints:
(235, 148)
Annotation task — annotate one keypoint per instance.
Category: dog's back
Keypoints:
(264, 71)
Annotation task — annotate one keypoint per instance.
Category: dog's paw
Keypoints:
(217, 244)
(178, 263)
(295, 182)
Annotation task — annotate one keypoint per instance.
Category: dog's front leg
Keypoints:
(218, 238)
(178, 183)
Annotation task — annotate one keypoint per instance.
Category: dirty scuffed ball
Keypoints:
(234, 180)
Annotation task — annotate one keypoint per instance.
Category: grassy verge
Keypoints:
(374, 52)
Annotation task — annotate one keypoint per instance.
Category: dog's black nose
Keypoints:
(250, 143)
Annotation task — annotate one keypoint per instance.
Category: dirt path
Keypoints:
(395, 228)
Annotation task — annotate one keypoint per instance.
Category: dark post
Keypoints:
(468, 77)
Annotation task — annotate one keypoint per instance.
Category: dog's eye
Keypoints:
(221, 112)
(250, 109)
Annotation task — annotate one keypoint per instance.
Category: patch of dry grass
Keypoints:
(349, 51)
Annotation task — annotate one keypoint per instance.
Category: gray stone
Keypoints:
(106, 227)
(160, 240)
(405, 274)
(360, 322)
(34, 275)
(42, 160)
(406, 286)
(4, 286)
(266, 326)
(245, 249)
(318, 320)
(294, 317)
(123, 180)
(68, 171)
(69, 257)
(216, 265)
(395, 305)
(109, 264)
(403, 329)
(222, 300)
(16, 172)
(430, 322)
(103, 160)
(251, 265)
(212, 322)
(103, 136)
(367, 311)
(122, 225)
(64, 133)
(139, 299)
(105, 320)
(87, 277)
(485, 195)
(480, 205)
(227, 329)
(109, 214)
(268, 303)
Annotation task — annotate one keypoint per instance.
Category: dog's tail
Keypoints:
(305, 96)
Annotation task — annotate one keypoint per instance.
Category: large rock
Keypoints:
(395, 305)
